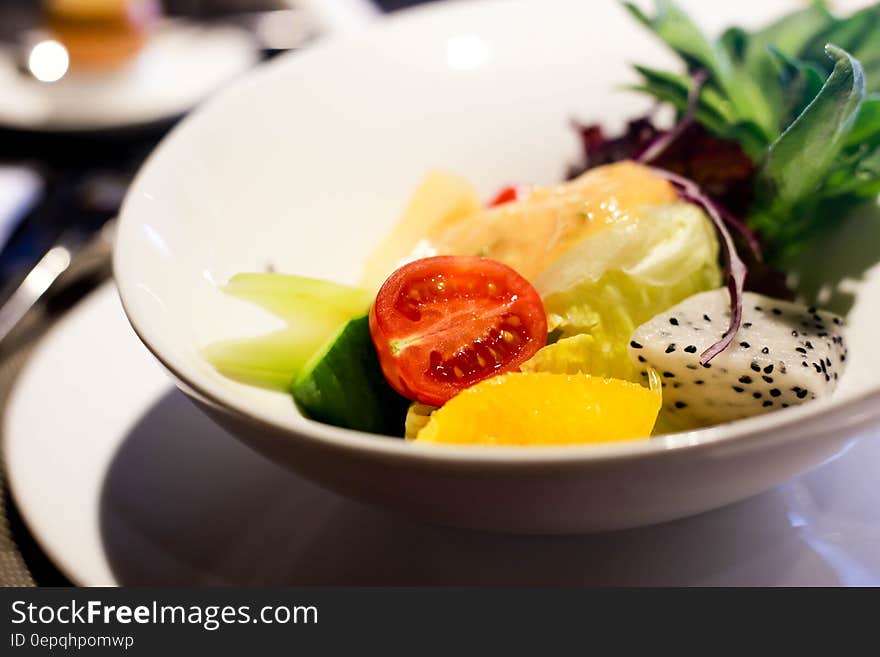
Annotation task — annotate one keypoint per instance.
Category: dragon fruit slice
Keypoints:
(784, 354)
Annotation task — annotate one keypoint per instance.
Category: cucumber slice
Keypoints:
(343, 385)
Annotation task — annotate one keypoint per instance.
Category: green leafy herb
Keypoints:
(794, 96)
(741, 91)
(858, 34)
(866, 130)
(797, 164)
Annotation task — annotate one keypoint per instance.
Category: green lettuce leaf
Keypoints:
(802, 80)
(582, 354)
(858, 34)
(866, 129)
(619, 278)
(799, 161)
(793, 32)
(743, 88)
(795, 96)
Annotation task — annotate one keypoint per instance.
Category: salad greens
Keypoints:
(798, 97)
(615, 280)
(797, 163)
(583, 353)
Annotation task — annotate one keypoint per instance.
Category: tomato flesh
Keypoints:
(442, 324)
(507, 195)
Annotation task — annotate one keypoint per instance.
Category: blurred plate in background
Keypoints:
(179, 66)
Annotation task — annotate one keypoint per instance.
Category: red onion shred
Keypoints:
(736, 268)
(665, 139)
(745, 232)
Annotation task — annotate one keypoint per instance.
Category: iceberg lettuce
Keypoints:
(621, 277)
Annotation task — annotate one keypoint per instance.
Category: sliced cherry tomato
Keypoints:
(442, 324)
(508, 194)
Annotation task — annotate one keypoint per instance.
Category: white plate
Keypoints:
(122, 481)
(180, 65)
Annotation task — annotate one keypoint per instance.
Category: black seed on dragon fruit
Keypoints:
(785, 354)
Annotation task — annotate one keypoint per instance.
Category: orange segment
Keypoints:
(540, 408)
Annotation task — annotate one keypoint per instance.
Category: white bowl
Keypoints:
(307, 163)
